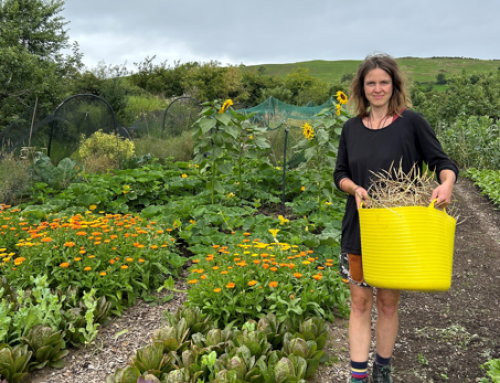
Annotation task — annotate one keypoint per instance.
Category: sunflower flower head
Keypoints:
(308, 131)
(341, 97)
(339, 108)
(226, 105)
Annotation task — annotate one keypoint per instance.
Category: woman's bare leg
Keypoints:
(360, 332)
(386, 328)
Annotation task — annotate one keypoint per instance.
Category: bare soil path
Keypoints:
(444, 337)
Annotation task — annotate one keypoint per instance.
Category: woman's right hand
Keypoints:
(361, 195)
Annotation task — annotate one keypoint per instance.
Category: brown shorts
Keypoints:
(351, 269)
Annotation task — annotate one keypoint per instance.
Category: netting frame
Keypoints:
(168, 107)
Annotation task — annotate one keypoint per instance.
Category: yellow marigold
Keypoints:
(226, 105)
(224, 272)
(193, 281)
(82, 252)
(217, 290)
(124, 267)
(154, 247)
(306, 263)
(204, 276)
(91, 256)
(246, 234)
(69, 244)
(81, 233)
(230, 285)
(130, 259)
(77, 259)
(341, 98)
(64, 264)
(273, 284)
(88, 268)
(196, 261)
(46, 240)
(252, 283)
(215, 268)
(273, 269)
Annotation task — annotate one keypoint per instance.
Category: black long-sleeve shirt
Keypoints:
(409, 139)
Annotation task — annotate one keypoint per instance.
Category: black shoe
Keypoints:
(382, 374)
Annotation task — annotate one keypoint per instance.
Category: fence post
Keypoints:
(287, 129)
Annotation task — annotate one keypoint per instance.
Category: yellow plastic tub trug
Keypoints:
(407, 248)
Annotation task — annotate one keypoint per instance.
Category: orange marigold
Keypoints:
(46, 240)
(252, 283)
(217, 290)
(297, 275)
(193, 281)
(64, 264)
(88, 268)
(273, 284)
(317, 277)
(124, 267)
(69, 244)
(230, 285)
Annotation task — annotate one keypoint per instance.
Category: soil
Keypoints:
(443, 337)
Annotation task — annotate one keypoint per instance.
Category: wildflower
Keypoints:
(297, 275)
(308, 131)
(64, 264)
(274, 232)
(184, 175)
(252, 283)
(193, 281)
(226, 105)
(230, 285)
(88, 268)
(341, 98)
(217, 290)
(273, 284)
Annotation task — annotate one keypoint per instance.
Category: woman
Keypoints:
(383, 133)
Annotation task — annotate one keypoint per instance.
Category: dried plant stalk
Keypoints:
(395, 188)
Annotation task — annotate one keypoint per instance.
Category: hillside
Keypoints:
(423, 70)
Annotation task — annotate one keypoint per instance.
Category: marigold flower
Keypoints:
(193, 281)
(306, 263)
(246, 234)
(217, 290)
(64, 264)
(19, 260)
(184, 176)
(82, 252)
(204, 276)
(303, 188)
(88, 268)
(69, 244)
(124, 267)
(265, 266)
(230, 285)
(252, 283)
(273, 284)
(141, 260)
(46, 240)
(112, 261)
(256, 261)
(224, 272)
(317, 277)
(129, 259)
(154, 247)
(345, 280)
(297, 275)
(273, 269)
(81, 233)
(196, 261)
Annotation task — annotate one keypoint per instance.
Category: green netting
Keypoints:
(272, 113)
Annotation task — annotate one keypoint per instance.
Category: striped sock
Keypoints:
(382, 361)
(359, 370)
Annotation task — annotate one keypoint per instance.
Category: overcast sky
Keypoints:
(278, 31)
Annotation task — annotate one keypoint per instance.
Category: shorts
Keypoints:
(351, 269)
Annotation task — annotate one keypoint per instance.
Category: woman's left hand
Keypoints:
(443, 192)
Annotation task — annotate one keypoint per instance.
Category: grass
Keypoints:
(423, 70)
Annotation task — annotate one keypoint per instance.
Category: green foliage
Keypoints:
(57, 177)
(14, 362)
(15, 180)
(46, 346)
(32, 36)
(492, 368)
(488, 182)
(109, 145)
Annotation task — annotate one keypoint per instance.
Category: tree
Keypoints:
(32, 36)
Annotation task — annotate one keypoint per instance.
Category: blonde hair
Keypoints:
(398, 100)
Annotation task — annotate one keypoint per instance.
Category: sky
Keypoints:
(278, 31)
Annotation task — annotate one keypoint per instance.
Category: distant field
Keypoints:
(416, 69)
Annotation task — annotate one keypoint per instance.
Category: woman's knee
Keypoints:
(387, 303)
(361, 302)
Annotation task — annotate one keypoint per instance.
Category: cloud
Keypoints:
(280, 31)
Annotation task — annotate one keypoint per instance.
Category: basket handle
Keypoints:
(433, 202)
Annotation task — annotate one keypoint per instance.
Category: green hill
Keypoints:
(423, 70)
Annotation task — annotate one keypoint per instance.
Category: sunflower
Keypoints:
(339, 107)
(308, 131)
(341, 97)
(226, 105)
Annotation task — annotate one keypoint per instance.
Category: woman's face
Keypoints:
(378, 88)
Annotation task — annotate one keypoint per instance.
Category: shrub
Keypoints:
(14, 179)
(104, 144)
